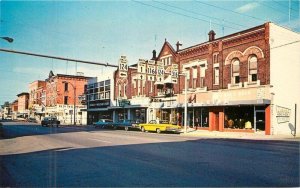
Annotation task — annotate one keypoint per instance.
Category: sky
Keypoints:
(102, 31)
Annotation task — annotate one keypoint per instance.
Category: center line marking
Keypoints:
(99, 140)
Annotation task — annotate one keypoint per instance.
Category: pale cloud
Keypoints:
(247, 7)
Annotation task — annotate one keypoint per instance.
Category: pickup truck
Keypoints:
(50, 121)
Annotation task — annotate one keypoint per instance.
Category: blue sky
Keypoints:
(102, 31)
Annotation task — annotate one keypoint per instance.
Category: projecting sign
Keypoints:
(141, 66)
(141, 77)
(150, 78)
(123, 67)
(151, 69)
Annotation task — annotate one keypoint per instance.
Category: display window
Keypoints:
(241, 117)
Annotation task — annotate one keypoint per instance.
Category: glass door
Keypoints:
(259, 120)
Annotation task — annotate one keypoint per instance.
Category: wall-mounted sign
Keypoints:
(99, 104)
(282, 114)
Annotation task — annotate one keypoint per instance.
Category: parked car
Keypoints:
(33, 120)
(50, 121)
(102, 123)
(126, 124)
(159, 126)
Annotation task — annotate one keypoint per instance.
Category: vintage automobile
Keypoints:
(159, 126)
(50, 121)
(103, 123)
(126, 124)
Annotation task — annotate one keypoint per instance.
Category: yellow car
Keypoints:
(160, 126)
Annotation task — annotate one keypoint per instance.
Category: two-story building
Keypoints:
(36, 105)
(99, 91)
(234, 83)
(64, 96)
(23, 101)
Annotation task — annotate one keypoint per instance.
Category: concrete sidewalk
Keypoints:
(238, 135)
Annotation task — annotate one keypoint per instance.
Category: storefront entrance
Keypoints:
(259, 120)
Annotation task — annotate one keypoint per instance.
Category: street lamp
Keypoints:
(8, 39)
(185, 101)
(74, 88)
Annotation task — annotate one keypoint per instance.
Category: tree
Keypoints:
(6, 104)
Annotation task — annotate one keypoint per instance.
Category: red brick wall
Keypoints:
(257, 37)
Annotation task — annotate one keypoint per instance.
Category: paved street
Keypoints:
(32, 155)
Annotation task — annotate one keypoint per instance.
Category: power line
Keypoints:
(284, 5)
(253, 17)
(173, 12)
(56, 57)
(275, 9)
(190, 11)
(285, 44)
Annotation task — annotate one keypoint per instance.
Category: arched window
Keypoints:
(235, 68)
(252, 68)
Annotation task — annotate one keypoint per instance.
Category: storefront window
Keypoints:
(239, 117)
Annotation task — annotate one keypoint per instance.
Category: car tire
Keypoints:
(142, 129)
(158, 130)
(126, 128)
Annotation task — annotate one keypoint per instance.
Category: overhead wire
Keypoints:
(270, 7)
(287, 6)
(246, 15)
(196, 13)
(178, 13)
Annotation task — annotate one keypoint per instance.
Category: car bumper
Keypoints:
(173, 130)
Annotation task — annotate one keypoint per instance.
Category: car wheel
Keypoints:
(143, 129)
(126, 128)
(158, 130)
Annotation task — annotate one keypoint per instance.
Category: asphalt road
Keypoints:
(35, 156)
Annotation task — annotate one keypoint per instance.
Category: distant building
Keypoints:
(23, 101)
(14, 109)
(99, 97)
(61, 92)
(36, 105)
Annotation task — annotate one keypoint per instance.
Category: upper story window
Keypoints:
(215, 58)
(252, 68)
(235, 67)
(66, 86)
(166, 60)
(216, 76)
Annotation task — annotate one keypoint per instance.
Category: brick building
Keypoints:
(14, 109)
(234, 83)
(61, 92)
(23, 101)
(36, 105)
